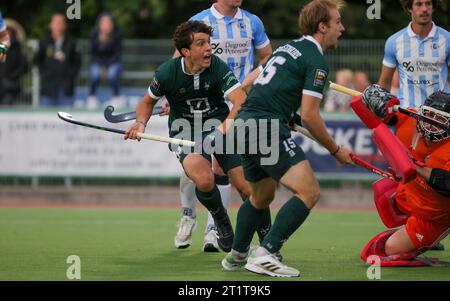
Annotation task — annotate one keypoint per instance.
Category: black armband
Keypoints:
(440, 181)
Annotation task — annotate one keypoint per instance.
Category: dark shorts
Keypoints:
(274, 150)
(226, 161)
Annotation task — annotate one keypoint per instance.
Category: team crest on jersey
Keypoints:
(241, 25)
(320, 77)
(155, 84)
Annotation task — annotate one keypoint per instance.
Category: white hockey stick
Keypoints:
(69, 118)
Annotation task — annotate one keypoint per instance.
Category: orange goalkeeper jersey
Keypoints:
(424, 201)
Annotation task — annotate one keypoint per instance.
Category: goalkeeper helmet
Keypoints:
(437, 107)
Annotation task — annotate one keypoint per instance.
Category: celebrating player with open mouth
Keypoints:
(195, 85)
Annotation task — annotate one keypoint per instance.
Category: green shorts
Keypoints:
(226, 161)
(259, 163)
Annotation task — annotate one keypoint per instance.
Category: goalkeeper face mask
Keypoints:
(437, 107)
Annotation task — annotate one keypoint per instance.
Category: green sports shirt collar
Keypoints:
(311, 38)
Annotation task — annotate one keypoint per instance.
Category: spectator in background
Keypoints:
(337, 101)
(106, 53)
(15, 66)
(360, 80)
(58, 62)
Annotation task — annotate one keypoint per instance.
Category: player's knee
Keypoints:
(391, 247)
(205, 182)
(260, 203)
(394, 246)
(243, 189)
(309, 197)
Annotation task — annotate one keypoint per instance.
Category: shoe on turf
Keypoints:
(276, 254)
(225, 233)
(234, 260)
(186, 226)
(210, 243)
(268, 264)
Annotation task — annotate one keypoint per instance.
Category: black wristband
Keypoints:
(336, 151)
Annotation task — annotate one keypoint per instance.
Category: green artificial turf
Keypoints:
(137, 244)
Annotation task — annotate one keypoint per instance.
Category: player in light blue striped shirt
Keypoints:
(236, 34)
(421, 52)
(4, 39)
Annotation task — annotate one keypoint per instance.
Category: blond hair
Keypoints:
(315, 12)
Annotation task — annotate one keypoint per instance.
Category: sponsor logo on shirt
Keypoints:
(421, 66)
(320, 77)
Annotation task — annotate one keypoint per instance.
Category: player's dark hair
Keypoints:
(407, 4)
(184, 34)
(314, 13)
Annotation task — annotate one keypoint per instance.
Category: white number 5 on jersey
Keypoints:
(270, 70)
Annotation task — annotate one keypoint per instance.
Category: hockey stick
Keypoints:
(388, 175)
(69, 118)
(397, 108)
(125, 116)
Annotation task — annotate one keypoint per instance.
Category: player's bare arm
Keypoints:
(264, 54)
(237, 98)
(143, 112)
(249, 79)
(386, 77)
(311, 118)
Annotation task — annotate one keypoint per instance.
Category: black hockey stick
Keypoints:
(125, 116)
(69, 118)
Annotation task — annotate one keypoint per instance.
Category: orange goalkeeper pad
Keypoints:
(366, 116)
(394, 152)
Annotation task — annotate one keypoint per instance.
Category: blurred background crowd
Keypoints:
(108, 55)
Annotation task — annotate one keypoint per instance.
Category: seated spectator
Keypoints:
(360, 80)
(15, 66)
(337, 101)
(58, 62)
(106, 52)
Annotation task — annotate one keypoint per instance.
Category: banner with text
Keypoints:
(40, 144)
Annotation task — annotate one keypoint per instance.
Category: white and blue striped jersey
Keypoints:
(234, 39)
(422, 63)
(2, 24)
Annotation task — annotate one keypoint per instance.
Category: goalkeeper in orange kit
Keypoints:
(420, 208)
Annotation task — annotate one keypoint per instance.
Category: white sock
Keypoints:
(225, 194)
(187, 196)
